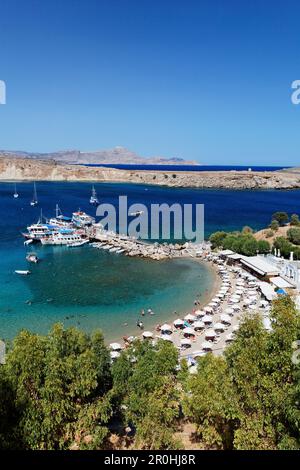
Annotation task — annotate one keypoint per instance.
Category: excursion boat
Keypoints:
(93, 199)
(60, 220)
(62, 237)
(34, 201)
(32, 258)
(81, 219)
(39, 231)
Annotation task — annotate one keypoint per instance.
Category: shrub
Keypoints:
(293, 235)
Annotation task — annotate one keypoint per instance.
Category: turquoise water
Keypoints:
(92, 289)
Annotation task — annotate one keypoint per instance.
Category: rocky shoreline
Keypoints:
(19, 169)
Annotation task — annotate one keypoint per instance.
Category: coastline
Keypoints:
(18, 169)
(204, 300)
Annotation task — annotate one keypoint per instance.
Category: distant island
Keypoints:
(116, 155)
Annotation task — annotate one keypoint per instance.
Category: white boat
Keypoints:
(60, 220)
(16, 195)
(34, 201)
(120, 250)
(107, 247)
(23, 273)
(81, 219)
(134, 214)
(75, 244)
(93, 199)
(62, 237)
(32, 258)
(113, 249)
(36, 232)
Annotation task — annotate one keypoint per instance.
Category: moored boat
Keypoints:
(93, 199)
(81, 219)
(32, 258)
(22, 272)
(34, 201)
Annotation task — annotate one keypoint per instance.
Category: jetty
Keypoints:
(130, 246)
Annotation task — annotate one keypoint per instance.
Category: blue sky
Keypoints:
(203, 80)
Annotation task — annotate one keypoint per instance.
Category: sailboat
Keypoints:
(34, 201)
(93, 198)
(15, 193)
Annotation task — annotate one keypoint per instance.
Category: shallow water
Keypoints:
(92, 289)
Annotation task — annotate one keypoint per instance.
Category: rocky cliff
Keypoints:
(28, 170)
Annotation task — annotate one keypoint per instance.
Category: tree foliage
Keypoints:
(249, 398)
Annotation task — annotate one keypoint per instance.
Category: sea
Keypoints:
(93, 289)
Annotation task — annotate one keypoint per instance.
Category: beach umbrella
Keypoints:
(198, 325)
(186, 342)
(220, 295)
(216, 300)
(147, 334)
(235, 307)
(219, 327)
(234, 300)
(199, 313)
(213, 305)
(229, 311)
(267, 324)
(208, 309)
(207, 319)
(166, 338)
(229, 338)
(239, 292)
(114, 354)
(188, 331)
(166, 327)
(189, 317)
(115, 346)
(252, 307)
(178, 322)
(210, 334)
(264, 303)
(225, 319)
(206, 346)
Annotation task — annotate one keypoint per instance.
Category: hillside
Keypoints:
(116, 155)
(26, 169)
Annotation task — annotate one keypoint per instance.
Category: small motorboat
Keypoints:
(27, 242)
(80, 243)
(22, 273)
(32, 258)
(134, 214)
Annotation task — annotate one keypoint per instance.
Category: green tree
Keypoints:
(281, 217)
(264, 246)
(250, 247)
(61, 383)
(284, 246)
(293, 235)
(217, 239)
(211, 403)
(295, 219)
(274, 225)
(150, 397)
